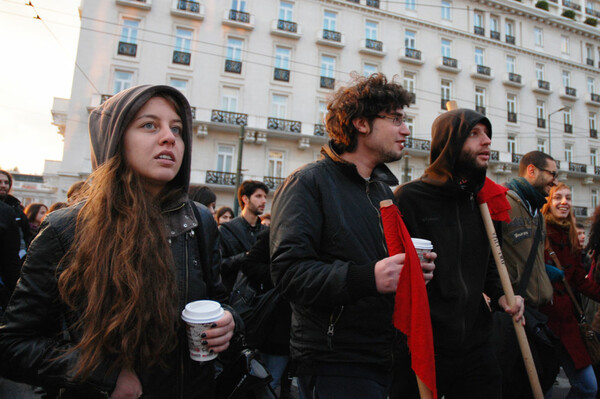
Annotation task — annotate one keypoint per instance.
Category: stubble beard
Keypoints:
(467, 166)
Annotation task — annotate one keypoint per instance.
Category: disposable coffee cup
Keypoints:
(422, 246)
(199, 317)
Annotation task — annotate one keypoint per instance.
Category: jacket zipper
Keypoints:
(185, 297)
(379, 221)
(333, 319)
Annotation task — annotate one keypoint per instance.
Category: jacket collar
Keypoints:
(179, 216)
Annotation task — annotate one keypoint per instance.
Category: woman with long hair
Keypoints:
(96, 312)
(562, 240)
(35, 215)
(223, 215)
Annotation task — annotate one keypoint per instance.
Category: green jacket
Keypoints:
(517, 239)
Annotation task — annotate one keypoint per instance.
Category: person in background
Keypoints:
(97, 310)
(586, 260)
(6, 182)
(562, 240)
(76, 192)
(57, 205)
(10, 264)
(205, 196)
(223, 215)
(592, 308)
(35, 213)
(266, 219)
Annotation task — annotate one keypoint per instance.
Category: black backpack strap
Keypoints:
(532, 253)
(203, 251)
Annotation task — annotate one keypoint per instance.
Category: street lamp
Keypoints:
(549, 130)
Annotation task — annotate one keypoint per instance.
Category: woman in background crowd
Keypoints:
(36, 213)
(223, 215)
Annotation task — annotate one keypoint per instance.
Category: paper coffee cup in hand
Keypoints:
(199, 317)
(422, 246)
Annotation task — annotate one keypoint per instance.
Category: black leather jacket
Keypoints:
(326, 236)
(34, 333)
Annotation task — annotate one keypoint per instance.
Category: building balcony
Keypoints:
(354, 1)
(541, 123)
(142, 4)
(510, 39)
(572, 5)
(128, 49)
(494, 155)
(592, 99)
(597, 170)
(448, 64)
(580, 211)
(284, 125)
(481, 72)
(512, 79)
(495, 35)
(443, 103)
(516, 158)
(411, 56)
(273, 182)
(331, 38)
(417, 144)
(327, 83)
(188, 9)
(480, 109)
(181, 57)
(319, 129)
(238, 19)
(233, 66)
(372, 47)
(281, 74)
(590, 11)
(568, 93)
(541, 86)
(221, 178)
(511, 117)
(568, 128)
(413, 97)
(590, 61)
(230, 118)
(478, 30)
(373, 3)
(284, 28)
(593, 133)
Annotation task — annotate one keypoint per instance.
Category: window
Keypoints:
(446, 10)
(329, 19)
(234, 49)
(566, 78)
(282, 58)
(279, 106)
(591, 85)
(446, 48)
(592, 120)
(540, 109)
(409, 80)
(129, 30)
(479, 56)
(593, 156)
(179, 84)
(594, 198)
(511, 144)
(286, 11)
(410, 5)
(480, 96)
(509, 28)
(478, 20)
(410, 39)
(371, 30)
(123, 80)
(568, 116)
(238, 5)
(183, 40)
(541, 145)
(511, 103)
(540, 71)
(565, 45)
(321, 112)
(410, 124)
(446, 89)
(538, 37)
(327, 66)
(568, 152)
(589, 53)
(510, 64)
(369, 69)
(225, 158)
(494, 24)
(229, 99)
(275, 164)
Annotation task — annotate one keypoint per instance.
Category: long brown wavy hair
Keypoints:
(569, 221)
(119, 274)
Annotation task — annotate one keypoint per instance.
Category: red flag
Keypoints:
(411, 311)
(495, 196)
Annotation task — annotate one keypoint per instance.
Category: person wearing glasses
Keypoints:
(527, 195)
(328, 251)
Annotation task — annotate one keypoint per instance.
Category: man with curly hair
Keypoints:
(328, 252)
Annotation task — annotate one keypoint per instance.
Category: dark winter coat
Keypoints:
(10, 264)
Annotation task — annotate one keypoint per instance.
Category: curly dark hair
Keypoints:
(366, 97)
(594, 237)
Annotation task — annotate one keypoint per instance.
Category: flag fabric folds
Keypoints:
(495, 196)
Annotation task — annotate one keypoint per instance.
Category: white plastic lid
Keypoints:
(202, 312)
(421, 243)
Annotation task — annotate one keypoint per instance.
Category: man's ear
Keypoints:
(245, 200)
(362, 125)
(531, 170)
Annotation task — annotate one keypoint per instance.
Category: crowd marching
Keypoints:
(109, 295)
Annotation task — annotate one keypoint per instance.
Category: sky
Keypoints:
(37, 65)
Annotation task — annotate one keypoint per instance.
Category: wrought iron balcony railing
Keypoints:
(580, 211)
(129, 49)
(495, 35)
(511, 117)
(480, 109)
(594, 133)
(417, 144)
(478, 30)
(231, 118)
(450, 62)
(570, 4)
(568, 128)
(595, 97)
(181, 57)
(514, 77)
(273, 182)
(541, 123)
(190, 6)
(516, 158)
(332, 35)
(597, 170)
(327, 83)
(287, 26)
(543, 84)
(319, 129)
(589, 61)
(281, 74)
(577, 167)
(412, 53)
(239, 16)
(233, 66)
(373, 3)
(374, 44)
(484, 70)
(193, 109)
(571, 91)
(494, 155)
(284, 125)
(222, 178)
(509, 39)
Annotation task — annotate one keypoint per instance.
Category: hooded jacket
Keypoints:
(442, 208)
(38, 327)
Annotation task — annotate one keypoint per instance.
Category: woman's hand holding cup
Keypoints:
(217, 338)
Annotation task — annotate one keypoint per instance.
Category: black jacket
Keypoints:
(439, 208)
(21, 220)
(10, 263)
(326, 236)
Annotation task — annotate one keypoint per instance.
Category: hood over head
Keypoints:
(448, 135)
(108, 122)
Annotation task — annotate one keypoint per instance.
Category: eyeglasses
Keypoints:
(397, 120)
(553, 173)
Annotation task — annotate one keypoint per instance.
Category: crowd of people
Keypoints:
(93, 289)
